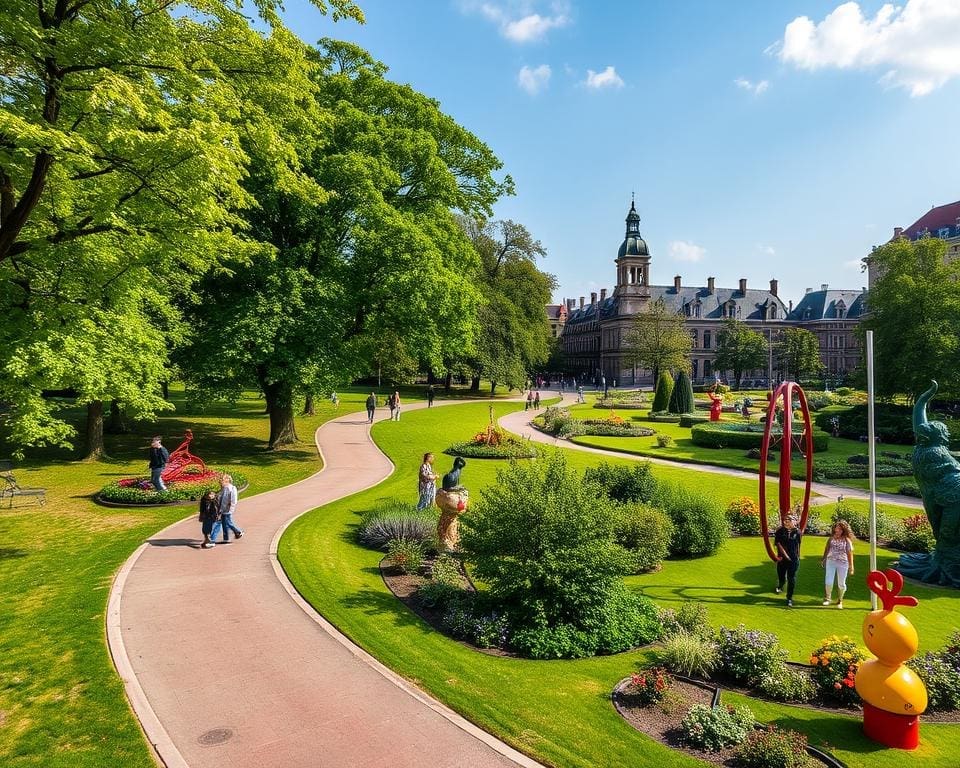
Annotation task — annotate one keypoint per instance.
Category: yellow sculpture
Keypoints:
(893, 695)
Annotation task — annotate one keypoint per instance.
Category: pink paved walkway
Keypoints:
(518, 422)
(225, 669)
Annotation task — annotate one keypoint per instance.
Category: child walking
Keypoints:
(838, 561)
(209, 514)
(787, 540)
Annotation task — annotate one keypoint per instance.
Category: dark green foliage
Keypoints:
(716, 728)
(645, 533)
(681, 398)
(437, 594)
(661, 398)
(514, 449)
(405, 555)
(892, 423)
(826, 468)
(860, 521)
(911, 489)
(773, 747)
(399, 520)
(733, 435)
(688, 419)
(699, 522)
(622, 482)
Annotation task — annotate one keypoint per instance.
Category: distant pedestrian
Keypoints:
(427, 485)
(580, 397)
(335, 399)
(787, 539)
(431, 393)
(158, 461)
(838, 561)
(209, 515)
(390, 405)
(395, 411)
(371, 407)
(228, 506)
(529, 404)
(536, 401)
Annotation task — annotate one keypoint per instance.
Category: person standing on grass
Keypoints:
(787, 540)
(427, 485)
(536, 401)
(371, 407)
(431, 393)
(838, 560)
(209, 515)
(395, 411)
(158, 461)
(228, 505)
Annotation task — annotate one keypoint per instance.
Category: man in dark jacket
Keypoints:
(158, 460)
(371, 407)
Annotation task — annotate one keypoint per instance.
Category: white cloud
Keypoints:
(917, 44)
(606, 79)
(856, 264)
(767, 250)
(533, 79)
(681, 250)
(517, 20)
(757, 89)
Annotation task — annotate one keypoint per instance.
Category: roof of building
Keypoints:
(753, 305)
(826, 305)
(941, 217)
(556, 311)
(633, 244)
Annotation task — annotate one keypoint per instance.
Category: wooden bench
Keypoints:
(12, 490)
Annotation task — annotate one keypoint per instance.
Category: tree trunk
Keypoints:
(493, 388)
(283, 431)
(475, 384)
(95, 449)
(165, 389)
(448, 381)
(117, 426)
(431, 378)
(308, 409)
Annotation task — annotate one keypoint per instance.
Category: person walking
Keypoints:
(390, 405)
(395, 411)
(228, 505)
(335, 399)
(536, 401)
(580, 398)
(209, 515)
(529, 403)
(431, 393)
(787, 541)
(838, 561)
(427, 485)
(371, 407)
(158, 461)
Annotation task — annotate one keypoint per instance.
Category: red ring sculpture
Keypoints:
(785, 393)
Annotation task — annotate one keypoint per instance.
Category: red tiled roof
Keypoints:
(932, 220)
(556, 311)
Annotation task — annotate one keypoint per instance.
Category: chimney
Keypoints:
(790, 306)
(676, 283)
(593, 298)
(824, 286)
(743, 285)
(773, 287)
(603, 294)
(571, 305)
(897, 232)
(809, 290)
(581, 302)
(709, 285)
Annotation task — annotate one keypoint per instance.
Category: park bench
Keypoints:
(12, 489)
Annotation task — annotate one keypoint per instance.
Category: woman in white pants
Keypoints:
(838, 561)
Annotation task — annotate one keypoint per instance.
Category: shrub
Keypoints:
(622, 482)
(471, 618)
(743, 516)
(661, 397)
(681, 398)
(941, 678)
(731, 434)
(606, 428)
(397, 520)
(649, 686)
(664, 441)
(831, 469)
(446, 570)
(785, 683)
(911, 489)
(688, 420)
(754, 453)
(180, 490)
(893, 423)
(690, 617)
(914, 534)
(662, 417)
(773, 747)
(747, 655)
(437, 594)
(405, 555)
(511, 448)
(860, 521)
(716, 728)
(818, 400)
(686, 653)
(645, 533)
(699, 523)
(835, 662)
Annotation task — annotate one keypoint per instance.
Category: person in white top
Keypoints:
(838, 561)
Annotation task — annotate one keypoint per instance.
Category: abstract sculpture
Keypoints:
(893, 695)
(181, 466)
(452, 499)
(938, 475)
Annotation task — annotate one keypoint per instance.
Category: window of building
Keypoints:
(773, 311)
(694, 336)
(694, 366)
(696, 310)
(706, 343)
(706, 369)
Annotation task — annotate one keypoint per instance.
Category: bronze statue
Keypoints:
(938, 475)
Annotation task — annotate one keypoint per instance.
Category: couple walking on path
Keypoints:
(216, 513)
(837, 558)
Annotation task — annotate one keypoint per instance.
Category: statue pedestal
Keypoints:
(452, 504)
(889, 729)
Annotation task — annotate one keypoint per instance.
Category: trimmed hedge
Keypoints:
(689, 419)
(511, 450)
(660, 416)
(892, 423)
(661, 398)
(719, 434)
(605, 428)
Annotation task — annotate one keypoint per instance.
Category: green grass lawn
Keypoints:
(684, 450)
(61, 702)
(559, 711)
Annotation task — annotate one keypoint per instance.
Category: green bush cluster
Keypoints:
(724, 434)
(397, 520)
(773, 747)
(176, 491)
(645, 533)
(623, 482)
(914, 534)
(892, 423)
(748, 655)
(664, 441)
(474, 618)
(856, 466)
(911, 489)
(511, 449)
(786, 683)
(743, 516)
(715, 728)
(406, 555)
(887, 527)
(940, 673)
(699, 522)
(661, 396)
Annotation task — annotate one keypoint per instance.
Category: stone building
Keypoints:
(557, 318)
(941, 221)
(594, 335)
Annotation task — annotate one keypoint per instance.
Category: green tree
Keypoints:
(661, 397)
(681, 398)
(739, 349)
(659, 340)
(799, 353)
(914, 312)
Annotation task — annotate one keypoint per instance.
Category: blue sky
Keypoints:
(758, 143)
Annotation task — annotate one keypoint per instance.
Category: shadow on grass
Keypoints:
(385, 606)
(8, 553)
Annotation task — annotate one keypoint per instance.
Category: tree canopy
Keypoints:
(799, 353)
(659, 340)
(739, 349)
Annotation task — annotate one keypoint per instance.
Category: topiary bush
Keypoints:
(715, 728)
(661, 397)
(681, 398)
(397, 520)
(623, 482)
(773, 747)
(644, 532)
(699, 522)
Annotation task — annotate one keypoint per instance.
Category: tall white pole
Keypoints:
(872, 462)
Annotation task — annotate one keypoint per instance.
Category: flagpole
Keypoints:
(872, 462)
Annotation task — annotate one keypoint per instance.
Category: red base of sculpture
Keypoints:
(897, 731)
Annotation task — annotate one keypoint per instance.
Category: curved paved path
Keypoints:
(519, 423)
(226, 666)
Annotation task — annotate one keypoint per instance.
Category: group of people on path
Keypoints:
(393, 403)
(216, 513)
(532, 401)
(837, 559)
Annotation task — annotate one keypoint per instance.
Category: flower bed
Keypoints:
(183, 491)
(493, 443)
